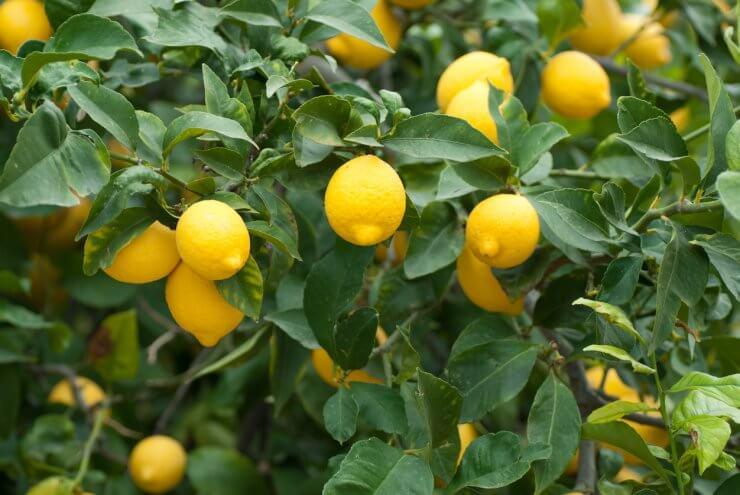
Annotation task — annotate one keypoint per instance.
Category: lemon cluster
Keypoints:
(211, 242)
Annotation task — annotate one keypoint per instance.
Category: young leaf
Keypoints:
(612, 314)
(616, 410)
(711, 436)
(728, 186)
(622, 355)
(726, 388)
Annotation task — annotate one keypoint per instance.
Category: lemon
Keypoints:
(503, 230)
(148, 257)
(157, 464)
(399, 246)
(627, 474)
(600, 34)
(572, 468)
(482, 288)
(651, 48)
(365, 201)
(360, 54)
(212, 239)
(331, 373)
(681, 118)
(198, 307)
(411, 4)
(472, 67)
(65, 224)
(471, 105)
(467, 433)
(54, 486)
(90, 392)
(21, 21)
(575, 85)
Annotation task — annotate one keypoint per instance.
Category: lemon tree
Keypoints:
(369, 247)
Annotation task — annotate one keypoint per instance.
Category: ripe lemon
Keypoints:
(681, 118)
(482, 288)
(467, 433)
(21, 21)
(503, 230)
(627, 474)
(150, 256)
(651, 49)
(198, 307)
(55, 231)
(331, 373)
(399, 246)
(212, 239)
(471, 105)
(54, 486)
(411, 4)
(575, 85)
(614, 386)
(472, 67)
(365, 201)
(62, 393)
(157, 464)
(360, 54)
(600, 34)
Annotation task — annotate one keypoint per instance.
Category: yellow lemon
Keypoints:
(365, 201)
(681, 118)
(468, 434)
(157, 464)
(600, 34)
(331, 373)
(411, 4)
(572, 468)
(198, 307)
(54, 486)
(360, 54)
(212, 239)
(472, 67)
(399, 245)
(21, 21)
(62, 393)
(575, 85)
(503, 230)
(65, 225)
(471, 105)
(651, 48)
(627, 474)
(148, 257)
(482, 288)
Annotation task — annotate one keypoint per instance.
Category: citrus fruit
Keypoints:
(627, 474)
(212, 239)
(651, 48)
(21, 21)
(467, 433)
(359, 54)
(365, 201)
(399, 245)
(198, 307)
(681, 118)
(65, 224)
(482, 288)
(331, 373)
(575, 85)
(471, 105)
(148, 257)
(54, 486)
(600, 34)
(90, 392)
(157, 464)
(503, 230)
(472, 67)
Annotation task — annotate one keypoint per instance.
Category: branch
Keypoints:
(681, 87)
(682, 206)
(180, 393)
(71, 376)
(162, 340)
(587, 475)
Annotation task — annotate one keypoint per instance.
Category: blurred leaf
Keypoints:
(59, 11)
(730, 486)
(21, 317)
(10, 384)
(622, 355)
(728, 186)
(350, 18)
(247, 348)
(244, 289)
(616, 410)
(114, 347)
(254, 12)
(220, 471)
(340, 415)
(381, 407)
(287, 358)
(724, 253)
(110, 109)
(435, 243)
(732, 147)
(613, 314)
(557, 18)
(293, 322)
(721, 118)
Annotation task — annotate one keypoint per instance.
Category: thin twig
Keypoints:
(698, 132)
(678, 86)
(577, 174)
(153, 349)
(682, 206)
(89, 444)
(172, 330)
(587, 475)
(180, 393)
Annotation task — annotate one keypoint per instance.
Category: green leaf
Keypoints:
(726, 388)
(18, 316)
(698, 403)
(81, 37)
(557, 18)
(191, 25)
(490, 373)
(732, 147)
(102, 246)
(254, 12)
(374, 468)
(110, 109)
(496, 460)
(632, 112)
(730, 486)
(537, 140)
(611, 203)
(354, 339)
(275, 236)
(248, 348)
(636, 81)
(115, 347)
(381, 407)
(322, 119)
(621, 435)
(59, 11)
(218, 102)
(711, 435)
(435, 243)
(244, 289)
(287, 358)
(223, 161)
(617, 410)
(439, 137)
(489, 173)
(721, 118)
(49, 161)
(151, 134)
(724, 253)
(657, 139)
(728, 186)
(620, 279)
(613, 314)
(10, 384)
(554, 421)
(223, 471)
(348, 17)
(340, 415)
(281, 228)
(196, 123)
(622, 355)
(293, 322)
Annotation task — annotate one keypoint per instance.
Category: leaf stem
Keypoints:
(703, 129)
(90, 443)
(124, 158)
(682, 206)
(667, 421)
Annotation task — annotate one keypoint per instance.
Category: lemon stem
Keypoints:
(90, 444)
(667, 421)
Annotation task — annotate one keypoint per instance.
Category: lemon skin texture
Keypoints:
(615, 387)
(600, 34)
(467, 433)
(330, 373)
(575, 85)
(358, 54)
(482, 288)
(471, 105)
(198, 307)
(150, 256)
(472, 67)
(157, 464)
(411, 4)
(365, 201)
(21, 21)
(212, 239)
(90, 391)
(503, 230)
(651, 49)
